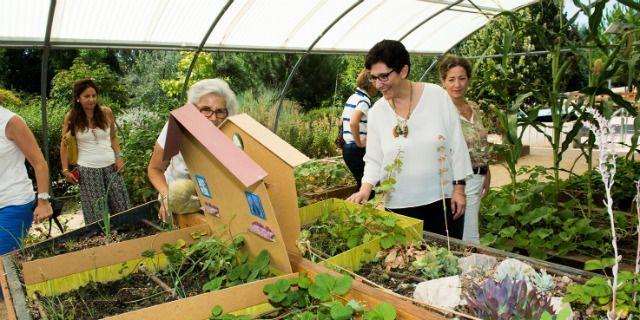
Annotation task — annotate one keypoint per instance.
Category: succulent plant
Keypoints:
(543, 282)
(437, 262)
(506, 299)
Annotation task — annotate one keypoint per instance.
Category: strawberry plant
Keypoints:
(320, 175)
(322, 299)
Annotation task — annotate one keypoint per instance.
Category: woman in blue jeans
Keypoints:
(17, 202)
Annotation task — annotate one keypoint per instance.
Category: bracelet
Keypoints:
(65, 170)
(461, 182)
(119, 155)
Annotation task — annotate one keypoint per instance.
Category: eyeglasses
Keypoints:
(220, 113)
(383, 77)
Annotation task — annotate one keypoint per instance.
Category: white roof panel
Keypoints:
(425, 26)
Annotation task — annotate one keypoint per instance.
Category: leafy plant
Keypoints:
(302, 299)
(506, 299)
(543, 282)
(320, 175)
(225, 265)
(437, 262)
(342, 229)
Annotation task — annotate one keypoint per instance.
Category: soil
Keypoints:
(135, 291)
(122, 233)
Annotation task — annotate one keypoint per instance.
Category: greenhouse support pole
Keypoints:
(202, 43)
(433, 64)
(295, 67)
(43, 84)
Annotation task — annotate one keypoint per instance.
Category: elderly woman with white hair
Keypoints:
(216, 101)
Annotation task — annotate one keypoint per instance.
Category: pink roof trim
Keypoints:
(247, 171)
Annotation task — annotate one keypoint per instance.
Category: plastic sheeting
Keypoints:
(424, 26)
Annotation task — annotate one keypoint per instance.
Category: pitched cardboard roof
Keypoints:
(269, 140)
(217, 143)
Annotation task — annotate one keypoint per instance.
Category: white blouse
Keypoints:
(434, 133)
(177, 168)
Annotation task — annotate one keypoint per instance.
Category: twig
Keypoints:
(158, 281)
(638, 231)
(406, 276)
(436, 308)
(39, 306)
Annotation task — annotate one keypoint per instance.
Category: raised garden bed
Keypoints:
(345, 233)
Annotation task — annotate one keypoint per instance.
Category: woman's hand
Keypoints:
(69, 177)
(119, 164)
(42, 212)
(458, 203)
(486, 186)
(162, 212)
(360, 197)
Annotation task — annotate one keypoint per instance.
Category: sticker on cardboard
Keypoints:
(255, 205)
(203, 186)
(262, 231)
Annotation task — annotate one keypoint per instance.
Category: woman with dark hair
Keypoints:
(418, 123)
(18, 206)
(100, 160)
(455, 75)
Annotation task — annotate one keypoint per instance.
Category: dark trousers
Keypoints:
(433, 216)
(353, 158)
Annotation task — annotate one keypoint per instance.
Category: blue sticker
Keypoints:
(203, 186)
(255, 206)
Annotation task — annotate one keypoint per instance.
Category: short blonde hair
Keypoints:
(216, 86)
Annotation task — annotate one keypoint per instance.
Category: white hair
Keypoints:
(215, 86)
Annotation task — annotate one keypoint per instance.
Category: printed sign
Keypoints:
(203, 186)
(255, 205)
(262, 231)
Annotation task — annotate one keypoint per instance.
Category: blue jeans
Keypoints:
(15, 222)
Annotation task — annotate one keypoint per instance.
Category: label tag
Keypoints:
(210, 209)
(203, 186)
(262, 231)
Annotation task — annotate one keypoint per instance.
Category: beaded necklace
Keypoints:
(402, 125)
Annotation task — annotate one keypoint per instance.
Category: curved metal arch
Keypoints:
(202, 43)
(429, 19)
(295, 67)
(44, 65)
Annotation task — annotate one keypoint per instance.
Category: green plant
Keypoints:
(343, 229)
(320, 175)
(543, 282)
(301, 299)
(437, 262)
(506, 299)
(224, 264)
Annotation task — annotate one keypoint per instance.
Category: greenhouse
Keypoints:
(320, 159)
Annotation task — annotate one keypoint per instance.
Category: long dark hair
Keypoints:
(77, 118)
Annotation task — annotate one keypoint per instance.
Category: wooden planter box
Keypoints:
(66, 272)
(351, 259)
(254, 302)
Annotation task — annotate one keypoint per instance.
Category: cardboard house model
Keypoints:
(230, 185)
(278, 158)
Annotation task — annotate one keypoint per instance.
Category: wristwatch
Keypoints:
(44, 196)
(459, 182)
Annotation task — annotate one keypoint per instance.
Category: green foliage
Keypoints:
(506, 299)
(226, 265)
(342, 229)
(301, 299)
(321, 175)
(143, 79)
(138, 129)
(111, 90)
(437, 262)
(534, 225)
(596, 292)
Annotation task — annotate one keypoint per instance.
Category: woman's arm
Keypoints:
(63, 152)
(155, 172)
(115, 144)
(18, 132)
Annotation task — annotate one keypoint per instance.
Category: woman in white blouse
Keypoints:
(418, 123)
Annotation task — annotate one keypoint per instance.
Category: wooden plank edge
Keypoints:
(19, 302)
(8, 302)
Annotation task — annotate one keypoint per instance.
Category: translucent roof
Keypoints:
(424, 26)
